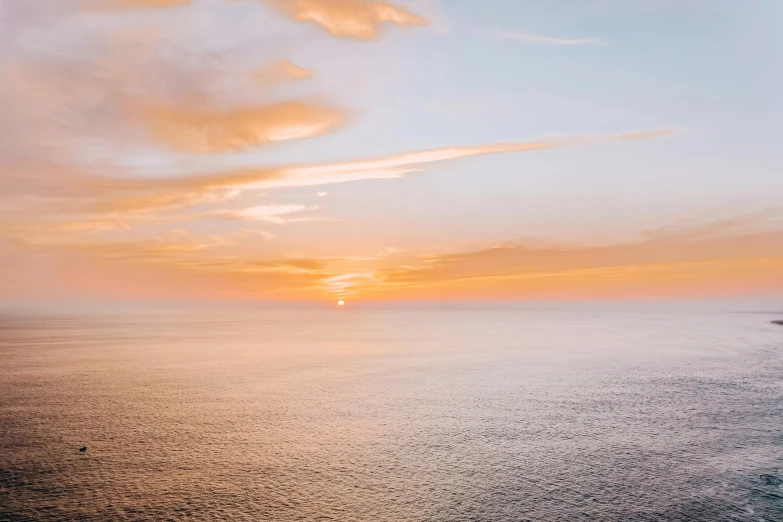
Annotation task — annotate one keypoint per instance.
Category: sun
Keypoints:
(340, 303)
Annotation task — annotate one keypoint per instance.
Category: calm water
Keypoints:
(392, 416)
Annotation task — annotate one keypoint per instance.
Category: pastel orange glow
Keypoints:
(170, 150)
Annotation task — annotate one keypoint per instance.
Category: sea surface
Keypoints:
(349, 415)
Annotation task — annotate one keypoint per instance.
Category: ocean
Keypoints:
(391, 415)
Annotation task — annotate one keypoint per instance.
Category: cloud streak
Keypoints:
(398, 165)
(191, 190)
(546, 40)
(90, 199)
(278, 214)
(731, 257)
(741, 254)
(200, 131)
(283, 71)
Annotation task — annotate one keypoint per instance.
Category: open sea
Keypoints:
(359, 415)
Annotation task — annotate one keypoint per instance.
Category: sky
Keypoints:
(308, 151)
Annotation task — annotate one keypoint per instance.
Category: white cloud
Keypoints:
(547, 40)
(272, 213)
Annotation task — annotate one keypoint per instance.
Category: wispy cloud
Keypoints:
(727, 257)
(110, 196)
(125, 90)
(283, 71)
(279, 214)
(736, 255)
(388, 167)
(401, 164)
(356, 19)
(209, 132)
(347, 284)
(547, 40)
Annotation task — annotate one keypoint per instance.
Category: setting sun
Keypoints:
(340, 303)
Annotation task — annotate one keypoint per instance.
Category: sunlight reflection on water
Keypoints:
(371, 415)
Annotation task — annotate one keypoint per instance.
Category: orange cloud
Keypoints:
(695, 279)
(720, 254)
(124, 93)
(178, 192)
(207, 132)
(283, 71)
(147, 271)
(358, 19)
(98, 197)
(733, 257)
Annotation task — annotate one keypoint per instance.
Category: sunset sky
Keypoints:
(420, 150)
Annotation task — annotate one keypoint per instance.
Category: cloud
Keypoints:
(728, 257)
(283, 71)
(389, 251)
(547, 40)
(84, 115)
(86, 98)
(401, 164)
(202, 131)
(98, 195)
(273, 213)
(725, 251)
(150, 270)
(346, 284)
(111, 196)
(357, 19)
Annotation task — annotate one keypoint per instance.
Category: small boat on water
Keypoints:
(778, 322)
